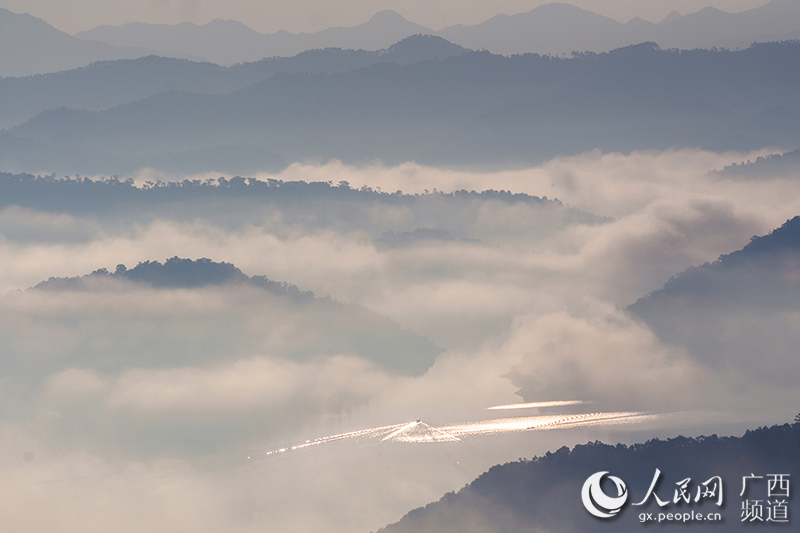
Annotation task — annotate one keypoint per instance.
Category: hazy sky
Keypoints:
(312, 15)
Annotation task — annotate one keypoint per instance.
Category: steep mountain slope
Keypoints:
(727, 312)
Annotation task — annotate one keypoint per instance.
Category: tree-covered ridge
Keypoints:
(178, 272)
(784, 238)
(544, 493)
(81, 193)
(240, 315)
(773, 165)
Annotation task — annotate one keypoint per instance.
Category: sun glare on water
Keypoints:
(417, 432)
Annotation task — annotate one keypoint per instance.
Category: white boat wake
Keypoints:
(417, 432)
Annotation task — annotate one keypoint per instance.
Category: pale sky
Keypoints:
(312, 15)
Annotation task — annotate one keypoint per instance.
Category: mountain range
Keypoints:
(562, 28)
(107, 84)
(227, 42)
(31, 46)
(473, 108)
(555, 29)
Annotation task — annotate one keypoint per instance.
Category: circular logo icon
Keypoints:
(598, 502)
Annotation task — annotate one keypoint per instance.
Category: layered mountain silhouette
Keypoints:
(31, 46)
(560, 28)
(107, 84)
(544, 493)
(227, 42)
(549, 29)
(557, 28)
(323, 326)
(474, 109)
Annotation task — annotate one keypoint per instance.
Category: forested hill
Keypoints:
(179, 272)
(327, 326)
(544, 494)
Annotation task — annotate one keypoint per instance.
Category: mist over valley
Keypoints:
(377, 277)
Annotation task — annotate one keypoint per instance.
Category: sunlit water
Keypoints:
(417, 432)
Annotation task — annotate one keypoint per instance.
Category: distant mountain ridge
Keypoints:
(549, 29)
(107, 84)
(562, 28)
(475, 108)
(555, 28)
(227, 42)
(31, 46)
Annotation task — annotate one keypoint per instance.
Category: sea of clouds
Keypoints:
(127, 407)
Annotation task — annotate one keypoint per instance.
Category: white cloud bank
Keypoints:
(529, 300)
